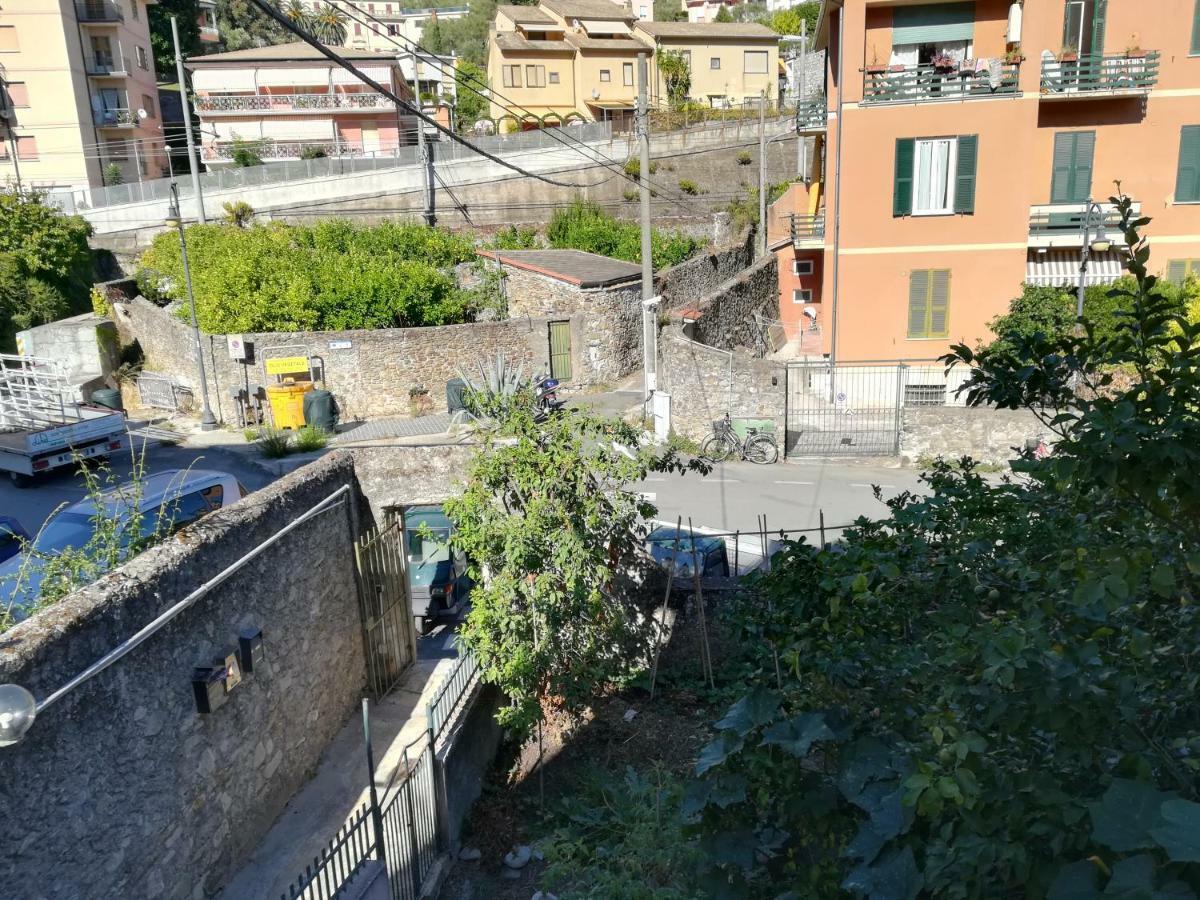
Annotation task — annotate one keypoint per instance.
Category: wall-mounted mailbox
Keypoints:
(250, 650)
(208, 685)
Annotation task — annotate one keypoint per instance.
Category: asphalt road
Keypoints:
(791, 495)
(31, 506)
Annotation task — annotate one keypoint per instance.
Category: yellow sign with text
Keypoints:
(287, 365)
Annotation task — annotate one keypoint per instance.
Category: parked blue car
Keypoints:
(12, 537)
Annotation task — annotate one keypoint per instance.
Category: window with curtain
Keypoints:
(512, 76)
(921, 33)
(934, 163)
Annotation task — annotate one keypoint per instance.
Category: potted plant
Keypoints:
(966, 67)
(1068, 54)
(1134, 49)
(1014, 57)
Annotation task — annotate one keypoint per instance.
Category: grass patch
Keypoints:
(273, 443)
(310, 438)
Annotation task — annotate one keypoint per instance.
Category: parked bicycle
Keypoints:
(758, 447)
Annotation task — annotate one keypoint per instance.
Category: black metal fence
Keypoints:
(339, 861)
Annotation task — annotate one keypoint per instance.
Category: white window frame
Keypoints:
(802, 295)
(553, 78)
(605, 76)
(627, 74)
(802, 266)
(714, 63)
(510, 75)
(919, 181)
(143, 59)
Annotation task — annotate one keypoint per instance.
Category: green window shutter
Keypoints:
(1071, 179)
(1187, 179)
(1099, 17)
(964, 177)
(1196, 29)
(933, 23)
(918, 303)
(939, 303)
(902, 191)
(1177, 271)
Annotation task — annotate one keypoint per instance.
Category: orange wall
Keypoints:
(1137, 142)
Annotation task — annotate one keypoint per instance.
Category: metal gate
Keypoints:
(560, 350)
(389, 638)
(844, 410)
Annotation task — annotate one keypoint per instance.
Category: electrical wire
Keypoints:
(583, 148)
(283, 20)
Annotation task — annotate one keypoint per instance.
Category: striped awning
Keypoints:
(1061, 267)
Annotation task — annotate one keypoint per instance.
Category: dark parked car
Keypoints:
(11, 537)
(437, 574)
(709, 553)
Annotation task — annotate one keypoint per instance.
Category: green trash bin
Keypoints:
(320, 409)
(109, 398)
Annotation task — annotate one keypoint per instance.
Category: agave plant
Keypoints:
(500, 389)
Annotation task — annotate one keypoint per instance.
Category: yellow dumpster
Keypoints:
(287, 402)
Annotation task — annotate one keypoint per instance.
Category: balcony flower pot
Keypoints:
(876, 69)
(944, 64)
(896, 68)
(1068, 56)
(1135, 53)
(1014, 57)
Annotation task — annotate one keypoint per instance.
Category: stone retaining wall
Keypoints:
(121, 789)
(985, 434)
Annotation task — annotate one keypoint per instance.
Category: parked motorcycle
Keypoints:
(545, 396)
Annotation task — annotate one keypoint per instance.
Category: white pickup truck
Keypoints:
(42, 426)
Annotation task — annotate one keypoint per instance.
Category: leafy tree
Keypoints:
(991, 693)
(244, 25)
(330, 276)
(553, 530)
(669, 11)
(328, 25)
(45, 263)
(676, 73)
(112, 175)
(432, 38)
(467, 37)
(584, 226)
(186, 14)
(470, 105)
(723, 15)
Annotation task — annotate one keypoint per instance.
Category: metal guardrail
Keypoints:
(1100, 75)
(108, 118)
(1068, 222)
(811, 115)
(457, 685)
(899, 84)
(340, 859)
(106, 64)
(807, 228)
(227, 178)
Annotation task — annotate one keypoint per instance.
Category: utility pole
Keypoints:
(187, 126)
(762, 172)
(423, 149)
(649, 300)
(12, 154)
(801, 79)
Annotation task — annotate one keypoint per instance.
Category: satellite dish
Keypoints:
(142, 115)
(595, 93)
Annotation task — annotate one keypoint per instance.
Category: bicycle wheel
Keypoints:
(762, 449)
(717, 448)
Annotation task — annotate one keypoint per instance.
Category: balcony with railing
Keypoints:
(1097, 77)
(106, 64)
(1061, 224)
(811, 116)
(291, 103)
(969, 80)
(807, 231)
(285, 150)
(114, 118)
(101, 12)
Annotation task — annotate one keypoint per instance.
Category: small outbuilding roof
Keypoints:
(525, 15)
(512, 40)
(297, 51)
(577, 267)
(701, 30)
(587, 9)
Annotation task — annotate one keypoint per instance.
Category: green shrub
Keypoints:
(313, 151)
(329, 276)
(631, 195)
(273, 443)
(238, 213)
(584, 226)
(687, 185)
(245, 154)
(515, 237)
(309, 438)
(744, 158)
(112, 175)
(633, 167)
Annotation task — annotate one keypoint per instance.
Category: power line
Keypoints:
(583, 148)
(271, 11)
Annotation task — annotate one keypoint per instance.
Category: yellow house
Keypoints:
(730, 62)
(577, 59)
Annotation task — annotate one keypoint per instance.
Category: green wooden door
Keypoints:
(560, 350)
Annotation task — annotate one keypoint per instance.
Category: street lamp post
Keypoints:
(207, 420)
(1100, 245)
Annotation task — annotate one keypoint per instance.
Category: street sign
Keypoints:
(287, 365)
(237, 347)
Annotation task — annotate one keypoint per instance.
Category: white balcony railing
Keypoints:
(291, 102)
(107, 64)
(1061, 224)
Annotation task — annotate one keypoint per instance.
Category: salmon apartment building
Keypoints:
(958, 145)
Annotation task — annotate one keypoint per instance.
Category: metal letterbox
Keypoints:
(251, 652)
(208, 685)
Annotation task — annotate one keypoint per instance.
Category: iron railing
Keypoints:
(98, 11)
(339, 861)
(811, 115)
(114, 117)
(286, 149)
(807, 228)
(1066, 221)
(411, 824)
(456, 686)
(1099, 75)
(907, 84)
(291, 102)
(106, 64)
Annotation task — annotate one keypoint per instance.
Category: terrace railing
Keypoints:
(98, 11)
(807, 228)
(291, 102)
(811, 115)
(908, 84)
(1092, 76)
(114, 117)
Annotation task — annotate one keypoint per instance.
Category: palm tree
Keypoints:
(297, 13)
(329, 25)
